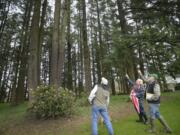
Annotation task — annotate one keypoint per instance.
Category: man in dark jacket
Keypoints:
(153, 94)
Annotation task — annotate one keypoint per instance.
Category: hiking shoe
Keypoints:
(139, 121)
(151, 131)
(146, 122)
(169, 131)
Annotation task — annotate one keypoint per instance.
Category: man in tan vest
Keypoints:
(153, 94)
(99, 99)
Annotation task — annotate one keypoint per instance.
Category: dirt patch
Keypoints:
(44, 127)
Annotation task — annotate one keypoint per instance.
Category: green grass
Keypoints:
(170, 110)
(123, 124)
(9, 113)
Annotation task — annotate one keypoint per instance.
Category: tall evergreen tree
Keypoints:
(54, 71)
(33, 78)
(87, 66)
(69, 46)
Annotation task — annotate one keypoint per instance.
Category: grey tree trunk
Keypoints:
(100, 48)
(123, 25)
(20, 90)
(54, 72)
(41, 34)
(87, 65)
(33, 50)
(62, 41)
(69, 82)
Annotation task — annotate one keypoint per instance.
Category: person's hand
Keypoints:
(89, 101)
(127, 76)
(139, 72)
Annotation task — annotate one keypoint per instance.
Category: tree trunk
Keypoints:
(80, 64)
(3, 83)
(74, 69)
(69, 76)
(20, 90)
(123, 25)
(6, 9)
(100, 48)
(93, 59)
(41, 33)
(87, 65)
(62, 42)
(121, 17)
(112, 83)
(33, 49)
(13, 90)
(97, 58)
(80, 51)
(54, 74)
(3, 15)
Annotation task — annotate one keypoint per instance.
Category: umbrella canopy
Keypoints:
(135, 100)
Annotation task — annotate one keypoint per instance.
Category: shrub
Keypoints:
(82, 101)
(50, 103)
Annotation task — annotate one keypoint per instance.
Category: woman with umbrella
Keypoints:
(137, 97)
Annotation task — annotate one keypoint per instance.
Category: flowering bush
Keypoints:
(50, 103)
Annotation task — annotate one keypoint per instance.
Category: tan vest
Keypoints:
(101, 97)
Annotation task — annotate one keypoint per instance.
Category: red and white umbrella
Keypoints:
(135, 100)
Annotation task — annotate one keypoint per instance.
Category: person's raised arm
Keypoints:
(131, 83)
(142, 77)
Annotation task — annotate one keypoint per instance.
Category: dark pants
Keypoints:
(142, 114)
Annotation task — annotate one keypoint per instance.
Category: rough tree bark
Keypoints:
(87, 66)
(33, 49)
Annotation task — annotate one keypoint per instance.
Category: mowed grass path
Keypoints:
(14, 120)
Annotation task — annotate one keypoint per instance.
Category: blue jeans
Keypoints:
(154, 111)
(104, 113)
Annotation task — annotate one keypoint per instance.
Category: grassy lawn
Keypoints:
(170, 109)
(13, 120)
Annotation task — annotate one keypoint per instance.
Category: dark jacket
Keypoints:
(140, 91)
